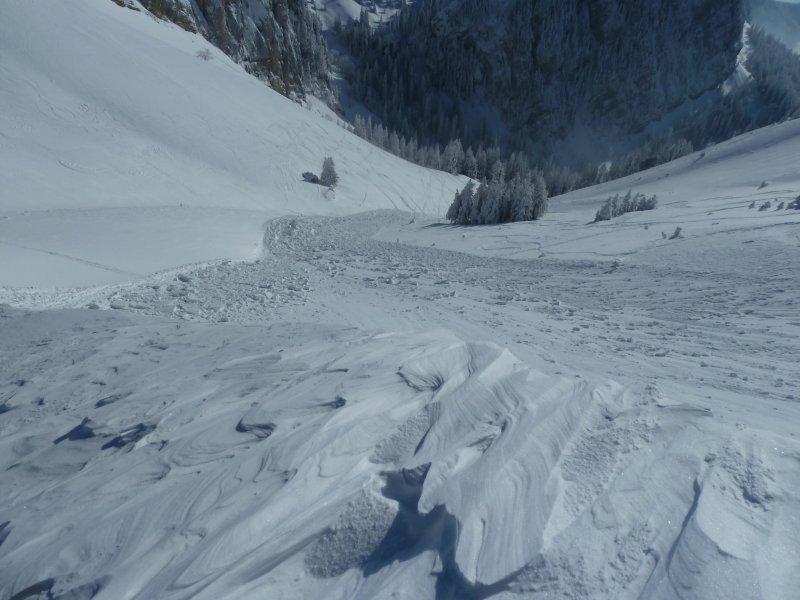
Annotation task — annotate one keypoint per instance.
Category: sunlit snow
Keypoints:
(218, 381)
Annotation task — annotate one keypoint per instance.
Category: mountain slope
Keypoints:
(708, 194)
(126, 135)
(277, 40)
(534, 73)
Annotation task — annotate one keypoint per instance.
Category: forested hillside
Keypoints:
(531, 73)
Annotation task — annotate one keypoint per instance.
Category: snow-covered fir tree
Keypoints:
(499, 199)
(328, 176)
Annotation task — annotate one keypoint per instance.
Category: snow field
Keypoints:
(370, 405)
(222, 461)
(434, 462)
(125, 154)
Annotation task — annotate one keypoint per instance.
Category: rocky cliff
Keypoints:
(279, 41)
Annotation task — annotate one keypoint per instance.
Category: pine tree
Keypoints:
(495, 203)
(482, 199)
(393, 144)
(521, 193)
(328, 176)
(455, 208)
(453, 157)
(470, 164)
(466, 204)
(539, 196)
(483, 167)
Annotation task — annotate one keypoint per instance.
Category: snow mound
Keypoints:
(220, 461)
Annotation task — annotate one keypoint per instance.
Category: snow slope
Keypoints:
(386, 407)
(707, 194)
(504, 421)
(125, 116)
(295, 459)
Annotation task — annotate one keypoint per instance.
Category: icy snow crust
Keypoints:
(375, 406)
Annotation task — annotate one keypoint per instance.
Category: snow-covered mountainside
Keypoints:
(538, 76)
(374, 405)
(126, 133)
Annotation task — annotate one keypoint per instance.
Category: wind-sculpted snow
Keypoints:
(145, 458)
(491, 454)
(255, 452)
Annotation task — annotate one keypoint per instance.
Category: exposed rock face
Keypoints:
(177, 11)
(277, 40)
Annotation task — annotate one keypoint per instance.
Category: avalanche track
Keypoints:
(629, 432)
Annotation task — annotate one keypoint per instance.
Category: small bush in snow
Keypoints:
(310, 177)
(328, 176)
(766, 206)
(616, 205)
(676, 234)
(794, 204)
(205, 54)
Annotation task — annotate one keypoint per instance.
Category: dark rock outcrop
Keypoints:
(279, 41)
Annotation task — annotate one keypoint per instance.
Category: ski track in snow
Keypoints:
(305, 460)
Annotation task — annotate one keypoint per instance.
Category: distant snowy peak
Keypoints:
(279, 41)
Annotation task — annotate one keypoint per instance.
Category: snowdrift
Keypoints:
(308, 462)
